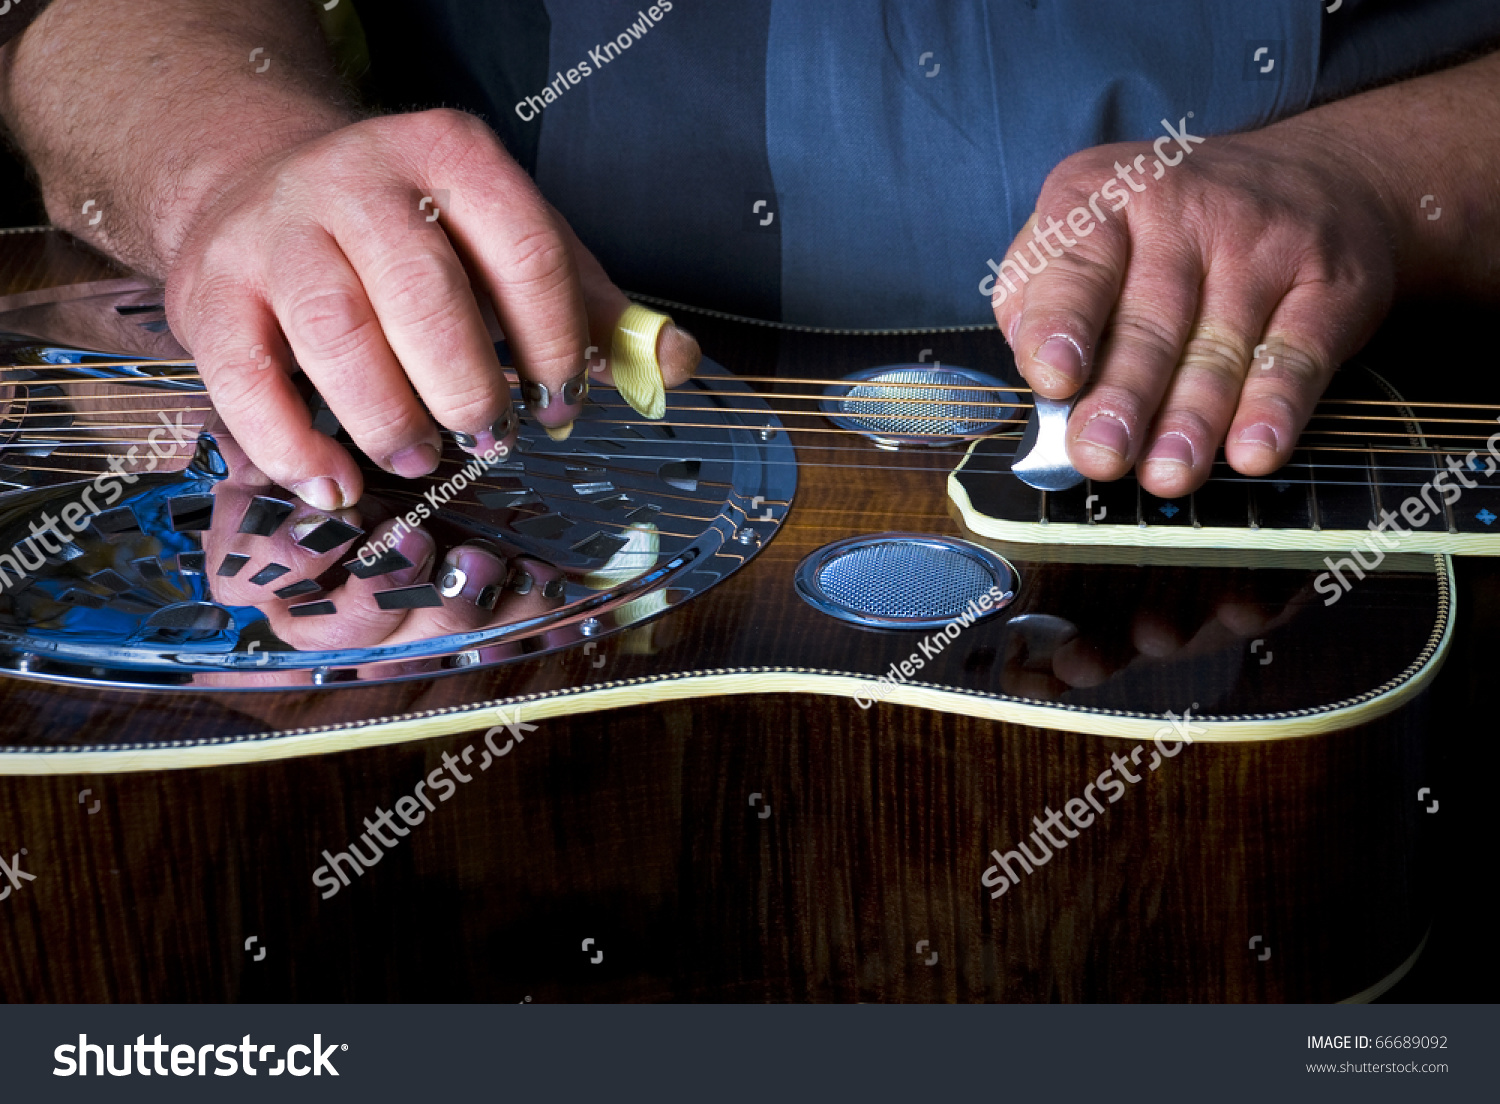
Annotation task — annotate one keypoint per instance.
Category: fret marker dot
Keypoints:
(1485, 516)
(1169, 510)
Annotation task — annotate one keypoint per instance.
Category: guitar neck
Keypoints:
(1370, 477)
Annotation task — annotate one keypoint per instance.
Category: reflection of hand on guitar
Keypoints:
(481, 601)
(1084, 643)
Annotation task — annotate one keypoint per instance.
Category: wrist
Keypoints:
(203, 173)
(1356, 177)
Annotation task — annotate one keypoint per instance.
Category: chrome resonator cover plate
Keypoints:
(201, 574)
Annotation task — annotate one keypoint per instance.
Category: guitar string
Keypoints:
(966, 415)
(1387, 450)
(928, 385)
(81, 426)
(87, 433)
(78, 414)
(965, 405)
(944, 467)
(84, 427)
(1273, 479)
(56, 431)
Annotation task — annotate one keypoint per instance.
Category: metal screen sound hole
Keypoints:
(905, 581)
(948, 405)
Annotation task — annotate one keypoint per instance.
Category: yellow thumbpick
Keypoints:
(633, 363)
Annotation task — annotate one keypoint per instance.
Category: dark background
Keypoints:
(19, 203)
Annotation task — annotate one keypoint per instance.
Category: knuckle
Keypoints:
(1215, 361)
(548, 351)
(332, 325)
(1295, 368)
(467, 409)
(455, 140)
(441, 124)
(1074, 291)
(423, 288)
(1133, 332)
(1079, 171)
(198, 293)
(1080, 268)
(1290, 400)
(237, 391)
(539, 261)
(382, 423)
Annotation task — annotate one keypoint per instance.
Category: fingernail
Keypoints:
(415, 462)
(467, 571)
(678, 349)
(321, 493)
(465, 440)
(304, 526)
(1260, 434)
(1107, 432)
(417, 546)
(633, 363)
(504, 431)
(559, 433)
(1171, 448)
(1060, 356)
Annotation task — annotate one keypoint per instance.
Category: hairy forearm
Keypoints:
(152, 109)
(1435, 136)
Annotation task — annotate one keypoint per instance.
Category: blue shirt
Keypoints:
(855, 163)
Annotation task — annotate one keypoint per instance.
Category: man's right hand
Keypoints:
(326, 254)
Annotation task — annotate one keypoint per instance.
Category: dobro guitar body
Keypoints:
(798, 693)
